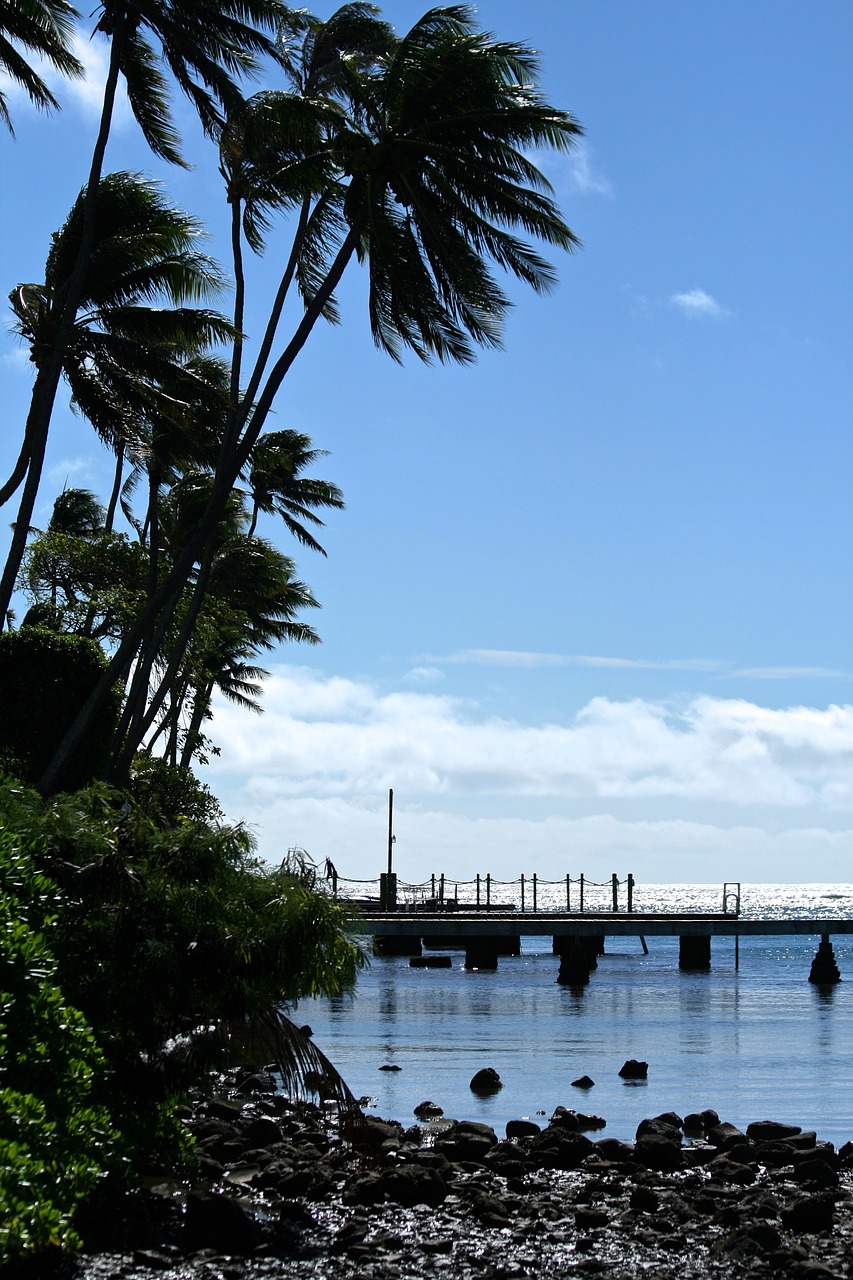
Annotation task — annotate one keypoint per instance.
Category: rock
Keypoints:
(725, 1136)
(411, 1184)
(815, 1172)
(556, 1148)
(262, 1132)
(771, 1130)
(486, 1081)
(583, 1082)
(634, 1070)
(809, 1214)
(661, 1126)
(217, 1222)
(260, 1082)
(694, 1123)
(565, 1118)
(522, 1128)
(657, 1151)
(709, 1118)
(590, 1122)
(390, 1066)
(586, 1219)
(428, 1110)
(614, 1150)
(730, 1171)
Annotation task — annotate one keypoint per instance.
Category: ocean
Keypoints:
(758, 1042)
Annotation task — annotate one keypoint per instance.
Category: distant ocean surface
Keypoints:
(757, 1043)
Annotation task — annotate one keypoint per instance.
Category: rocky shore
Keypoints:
(278, 1194)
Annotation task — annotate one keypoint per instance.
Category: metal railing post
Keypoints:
(615, 882)
(441, 889)
(534, 890)
(630, 892)
(478, 888)
(581, 893)
(568, 893)
(488, 888)
(522, 890)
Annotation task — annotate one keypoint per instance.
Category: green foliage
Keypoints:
(45, 679)
(167, 794)
(168, 934)
(56, 1138)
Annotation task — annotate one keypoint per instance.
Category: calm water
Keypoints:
(757, 1043)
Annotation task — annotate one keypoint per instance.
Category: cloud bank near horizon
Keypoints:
(329, 736)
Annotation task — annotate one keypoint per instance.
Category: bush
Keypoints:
(45, 678)
(56, 1139)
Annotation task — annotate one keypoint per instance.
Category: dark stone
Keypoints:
(259, 1082)
(660, 1125)
(590, 1122)
(815, 1172)
(730, 1171)
(486, 1081)
(262, 1132)
(217, 1222)
(809, 1214)
(558, 1149)
(614, 1150)
(694, 1122)
(656, 1151)
(724, 1136)
(373, 1131)
(390, 1066)
(634, 1070)
(411, 1184)
(522, 1128)
(586, 1219)
(644, 1199)
(565, 1118)
(428, 1110)
(771, 1130)
(709, 1118)
(583, 1082)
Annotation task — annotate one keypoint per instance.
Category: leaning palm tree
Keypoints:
(411, 156)
(124, 353)
(42, 27)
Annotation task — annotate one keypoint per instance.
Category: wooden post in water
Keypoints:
(615, 883)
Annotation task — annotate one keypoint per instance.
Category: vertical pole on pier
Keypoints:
(441, 889)
(534, 890)
(488, 888)
(390, 830)
(614, 879)
(522, 890)
(630, 892)
(568, 893)
(581, 893)
(478, 888)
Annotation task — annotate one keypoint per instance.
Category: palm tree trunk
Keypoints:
(20, 470)
(112, 506)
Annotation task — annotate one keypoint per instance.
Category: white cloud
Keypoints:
(585, 178)
(788, 673)
(86, 93)
(698, 303)
(335, 737)
(68, 469)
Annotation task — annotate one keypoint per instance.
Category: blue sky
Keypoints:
(589, 605)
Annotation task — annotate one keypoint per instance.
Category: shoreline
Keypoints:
(278, 1194)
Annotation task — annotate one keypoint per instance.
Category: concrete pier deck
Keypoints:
(529, 924)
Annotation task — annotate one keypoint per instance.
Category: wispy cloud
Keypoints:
(532, 659)
(86, 93)
(586, 178)
(699, 304)
(789, 673)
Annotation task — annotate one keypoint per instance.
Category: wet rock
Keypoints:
(522, 1128)
(614, 1150)
(220, 1223)
(262, 1132)
(661, 1125)
(558, 1149)
(428, 1110)
(583, 1082)
(634, 1070)
(771, 1130)
(412, 1184)
(658, 1151)
(565, 1118)
(587, 1122)
(724, 1136)
(390, 1066)
(486, 1081)
(809, 1214)
(816, 1173)
(694, 1122)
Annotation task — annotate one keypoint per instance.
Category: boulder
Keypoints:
(724, 1136)
(411, 1184)
(634, 1070)
(809, 1214)
(659, 1151)
(486, 1081)
(428, 1110)
(771, 1130)
(583, 1082)
(219, 1223)
(522, 1128)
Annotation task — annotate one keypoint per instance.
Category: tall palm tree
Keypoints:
(124, 353)
(204, 44)
(414, 160)
(42, 27)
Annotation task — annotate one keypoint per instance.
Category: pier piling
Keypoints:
(694, 952)
(824, 970)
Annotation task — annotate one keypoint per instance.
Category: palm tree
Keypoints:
(414, 159)
(124, 353)
(204, 44)
(42, 27)
(278, 488)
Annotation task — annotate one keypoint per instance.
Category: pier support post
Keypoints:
(481, 953)
(824, 970)
(398, 945)
(694, 952)
(387, 891)
(574, 964)
(592, 947)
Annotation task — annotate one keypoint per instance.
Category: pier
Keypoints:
(490, 917)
